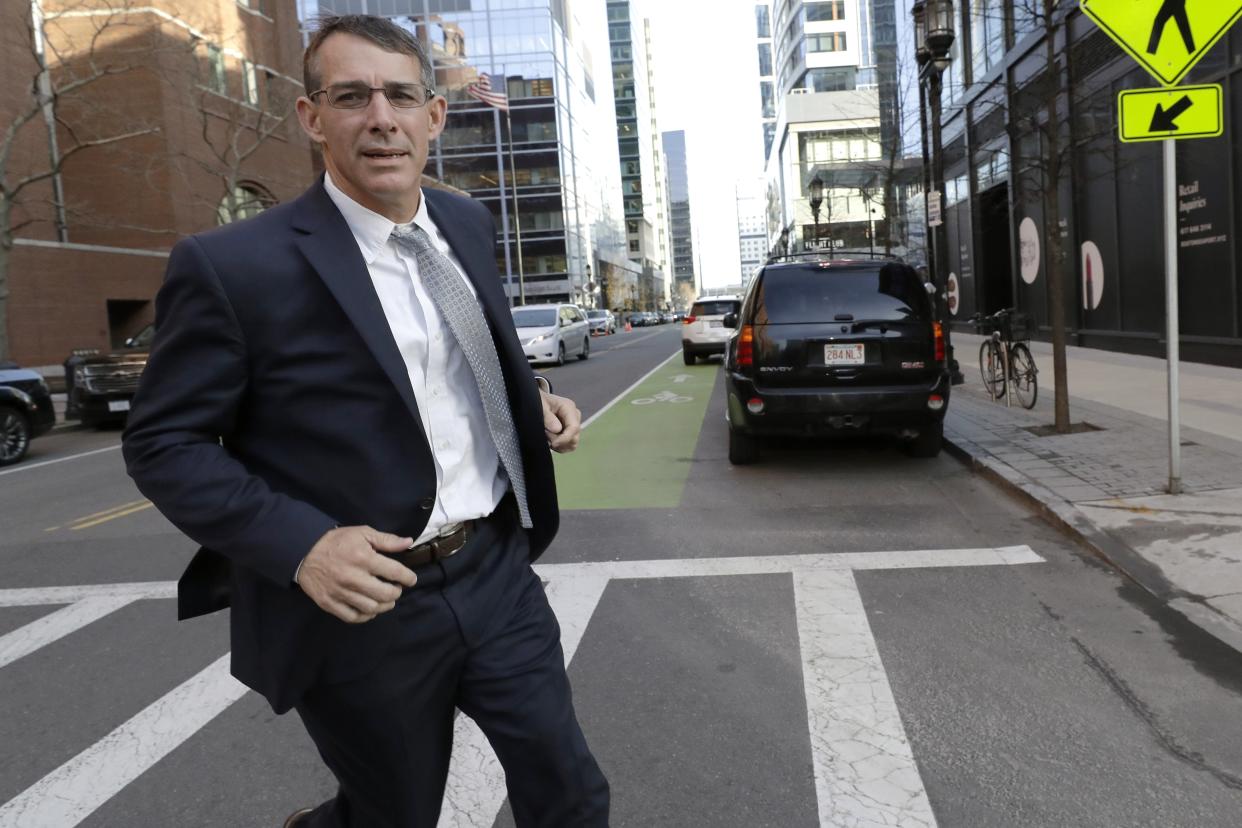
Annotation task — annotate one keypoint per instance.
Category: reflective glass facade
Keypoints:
(554, 147)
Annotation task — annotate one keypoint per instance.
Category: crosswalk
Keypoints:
(864, 770)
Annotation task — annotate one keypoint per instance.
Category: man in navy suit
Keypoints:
(338, 410)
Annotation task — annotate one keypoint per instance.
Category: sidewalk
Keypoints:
(1108, 487)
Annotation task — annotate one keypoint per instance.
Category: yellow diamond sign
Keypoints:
(1171, 112)
(1166, 37)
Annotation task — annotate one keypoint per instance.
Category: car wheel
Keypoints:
(586, 348)
(743, 449)
(928, 443)
(688, 357)
(14, 436)
(560, 354)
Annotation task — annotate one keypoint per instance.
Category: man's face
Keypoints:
(374, 154)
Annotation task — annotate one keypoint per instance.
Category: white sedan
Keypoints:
(551, 333)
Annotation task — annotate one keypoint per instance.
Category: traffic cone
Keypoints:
(627, 326)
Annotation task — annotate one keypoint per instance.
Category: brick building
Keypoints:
(203, 93)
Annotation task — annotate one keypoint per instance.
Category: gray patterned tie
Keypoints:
(461, 311)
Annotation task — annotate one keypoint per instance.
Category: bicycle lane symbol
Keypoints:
(662, 397)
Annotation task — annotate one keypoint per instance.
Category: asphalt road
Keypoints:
(838, 635)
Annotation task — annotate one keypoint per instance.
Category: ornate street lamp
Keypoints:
(816, 188)
(933, 41)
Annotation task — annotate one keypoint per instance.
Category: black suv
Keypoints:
(837, 347)
(101, 386)
(25, 411)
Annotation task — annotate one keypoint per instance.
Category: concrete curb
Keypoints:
(1068, 519)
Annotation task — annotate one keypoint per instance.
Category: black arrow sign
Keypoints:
(1163, 119)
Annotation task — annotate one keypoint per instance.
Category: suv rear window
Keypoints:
(719, 308)
(888, 293)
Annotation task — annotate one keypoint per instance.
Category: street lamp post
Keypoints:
(933, 38)
(816, 187)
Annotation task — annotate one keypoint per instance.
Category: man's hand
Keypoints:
(343, 571)
(562, 422)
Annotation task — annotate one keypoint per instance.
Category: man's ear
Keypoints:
(308, 117)
(437, 114)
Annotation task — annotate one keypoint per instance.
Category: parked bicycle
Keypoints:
(1004, 359)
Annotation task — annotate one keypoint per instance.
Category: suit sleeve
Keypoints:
(183, 414)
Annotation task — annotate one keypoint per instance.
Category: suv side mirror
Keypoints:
(730, 320)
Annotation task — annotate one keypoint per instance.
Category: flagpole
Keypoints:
(517, 219)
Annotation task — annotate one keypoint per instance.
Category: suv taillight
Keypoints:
(938, 331)
(746, 347)
(689, 320)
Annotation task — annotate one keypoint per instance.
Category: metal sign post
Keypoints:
(1171, 323)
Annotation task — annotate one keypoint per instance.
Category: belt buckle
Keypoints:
(441, 546)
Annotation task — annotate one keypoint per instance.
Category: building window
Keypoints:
(619, 32)
(250, 83)
(765, 59)
(829, 10)
(826, 42)
(622, 51)
(633, 245)
(215, 69)
(829, 80)
(619, 12)
(767, 100)
(763, 23)
(247, 199)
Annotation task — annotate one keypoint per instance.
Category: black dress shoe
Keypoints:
(297, 817)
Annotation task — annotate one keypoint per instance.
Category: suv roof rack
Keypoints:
(831, 255)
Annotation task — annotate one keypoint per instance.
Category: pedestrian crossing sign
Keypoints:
(1166, 37)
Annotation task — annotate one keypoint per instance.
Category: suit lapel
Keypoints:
(333, 252)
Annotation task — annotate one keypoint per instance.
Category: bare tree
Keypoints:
(72, 55)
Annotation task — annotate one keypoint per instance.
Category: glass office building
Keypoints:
(560, 155)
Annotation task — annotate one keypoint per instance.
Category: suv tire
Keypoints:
(560, 354)
(14, 435)
(743, 449)
(928, 443)
(586, 348)
(687, 357)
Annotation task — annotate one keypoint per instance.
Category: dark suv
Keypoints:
(101, 386)
(837, 347)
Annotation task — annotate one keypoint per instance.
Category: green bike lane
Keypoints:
(637, 452)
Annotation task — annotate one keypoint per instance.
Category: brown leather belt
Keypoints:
(437, 548)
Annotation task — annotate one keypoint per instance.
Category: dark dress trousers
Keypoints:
(275, 406)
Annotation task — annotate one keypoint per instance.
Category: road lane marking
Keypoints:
(74, 523)
(131, 510)
(626, 392)
(43, 631)
(58, 460)
(862, 762)
(77, 788)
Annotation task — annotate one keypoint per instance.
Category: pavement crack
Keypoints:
(1145, 714)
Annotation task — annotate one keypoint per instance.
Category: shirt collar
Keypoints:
(370, 229)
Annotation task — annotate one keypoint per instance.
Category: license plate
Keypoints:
(118, 405)
(715, 323)
(844, 355)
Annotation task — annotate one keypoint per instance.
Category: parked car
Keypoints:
(550, 333)
(638, 319)
(702, 331)
(838, 347)
(99, 386)
(602, 321)
(25, 411)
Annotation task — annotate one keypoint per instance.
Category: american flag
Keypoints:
(482, 90)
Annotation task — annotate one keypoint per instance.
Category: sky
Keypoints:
(707, 83)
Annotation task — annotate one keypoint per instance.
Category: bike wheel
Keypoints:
(991, 368)
(1023, 373)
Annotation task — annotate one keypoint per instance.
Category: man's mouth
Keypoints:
(385, 153)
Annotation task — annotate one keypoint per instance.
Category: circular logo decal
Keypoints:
(1028, 249)
(951, 288)
(1092, 276)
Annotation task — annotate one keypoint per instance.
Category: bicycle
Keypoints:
(1005, 348)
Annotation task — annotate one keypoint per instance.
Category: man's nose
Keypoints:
(379, 113)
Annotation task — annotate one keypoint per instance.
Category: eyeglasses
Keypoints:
(358, 95)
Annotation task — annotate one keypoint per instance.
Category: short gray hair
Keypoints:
(379, 30)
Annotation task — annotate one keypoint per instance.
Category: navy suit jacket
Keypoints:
(276, 406)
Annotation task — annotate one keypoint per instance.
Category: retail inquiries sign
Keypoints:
(1195, 230)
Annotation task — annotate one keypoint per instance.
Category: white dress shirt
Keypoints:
(470, 480)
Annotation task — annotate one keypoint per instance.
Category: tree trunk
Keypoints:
(6, 248)
(1052, 222)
